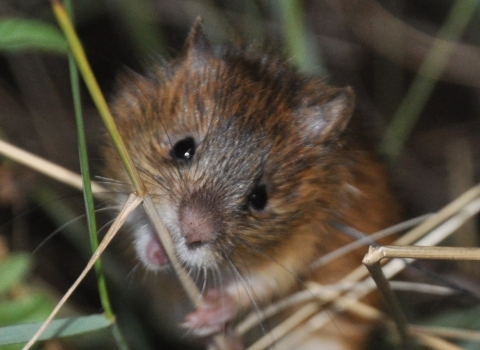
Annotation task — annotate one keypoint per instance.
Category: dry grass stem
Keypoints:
(313, 291)
(285, 327)
(444, 332)
(464, 214)
(337, 253)
(421, 288)
(376, 254)
(291, 340)
(45, 167)
(445, 213)
(389, 296)
(457, 212)
(415, 252)
(78, 53)
(321, 319)
(436, 343)
(162, 232)
(130, 205)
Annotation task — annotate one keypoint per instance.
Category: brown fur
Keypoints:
(255, 120)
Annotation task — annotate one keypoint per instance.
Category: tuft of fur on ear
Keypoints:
(130, 89)
(197, 43)
(329, 118)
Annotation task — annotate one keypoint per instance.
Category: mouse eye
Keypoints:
(258, 198)
(183, 149)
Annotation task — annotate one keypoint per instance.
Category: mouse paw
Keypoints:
(211, 318)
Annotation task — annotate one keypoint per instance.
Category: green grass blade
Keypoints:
(18, 34)
(86, 179)
(57, 329)
(422, 87)
(27, 308)
(299, 42)
(142, 29)
(81, 59)
(13, 269)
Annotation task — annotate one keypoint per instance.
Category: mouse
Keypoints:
(253, 166)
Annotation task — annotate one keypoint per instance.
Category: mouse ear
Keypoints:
(328, 119)
(130, 88)
(197, 43)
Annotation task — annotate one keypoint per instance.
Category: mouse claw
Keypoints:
(211, 318)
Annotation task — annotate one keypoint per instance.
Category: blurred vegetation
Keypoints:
(376, 47)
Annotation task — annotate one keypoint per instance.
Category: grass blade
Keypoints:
(91, 82)
(299, 42)
(422, 87)
(86, 179)
(18, 34)
(13, 269)
(57, 329)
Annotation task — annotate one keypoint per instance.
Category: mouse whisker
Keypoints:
(110, 181)
(215, 278)
(204, 281)
(60, 228)
(199, 276)
(130, 277)
(250, 290)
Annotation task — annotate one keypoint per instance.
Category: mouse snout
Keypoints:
(197, 225)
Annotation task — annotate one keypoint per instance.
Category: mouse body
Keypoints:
(252, 167)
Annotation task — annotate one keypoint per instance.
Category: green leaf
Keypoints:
(30, 308)
(11, 347)
(468, 319)
(57, 329)
(18, 34)
(465, 318)
(13, 270)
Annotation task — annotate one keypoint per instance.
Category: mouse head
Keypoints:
(239, 151)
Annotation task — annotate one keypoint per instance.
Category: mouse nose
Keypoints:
(197, 225)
